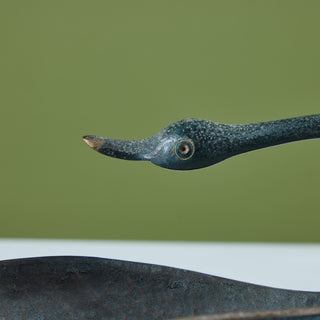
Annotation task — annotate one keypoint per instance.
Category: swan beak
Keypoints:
(117, 148)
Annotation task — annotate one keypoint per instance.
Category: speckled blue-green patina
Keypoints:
(80, 288)
(194, 143)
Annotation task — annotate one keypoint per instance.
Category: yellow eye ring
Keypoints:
(184, 149)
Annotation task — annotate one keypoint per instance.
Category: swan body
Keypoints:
(82, 288)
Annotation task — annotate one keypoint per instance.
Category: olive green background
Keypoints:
(126, 69)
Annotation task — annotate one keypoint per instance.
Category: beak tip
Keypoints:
(93, 141)
(86, 139)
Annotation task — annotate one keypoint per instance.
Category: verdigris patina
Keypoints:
(193, 143)
(56, 288)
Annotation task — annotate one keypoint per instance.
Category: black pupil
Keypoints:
(184, 149)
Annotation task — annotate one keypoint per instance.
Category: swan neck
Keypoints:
(266, 134)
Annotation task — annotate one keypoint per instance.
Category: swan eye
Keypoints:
(184, 149)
